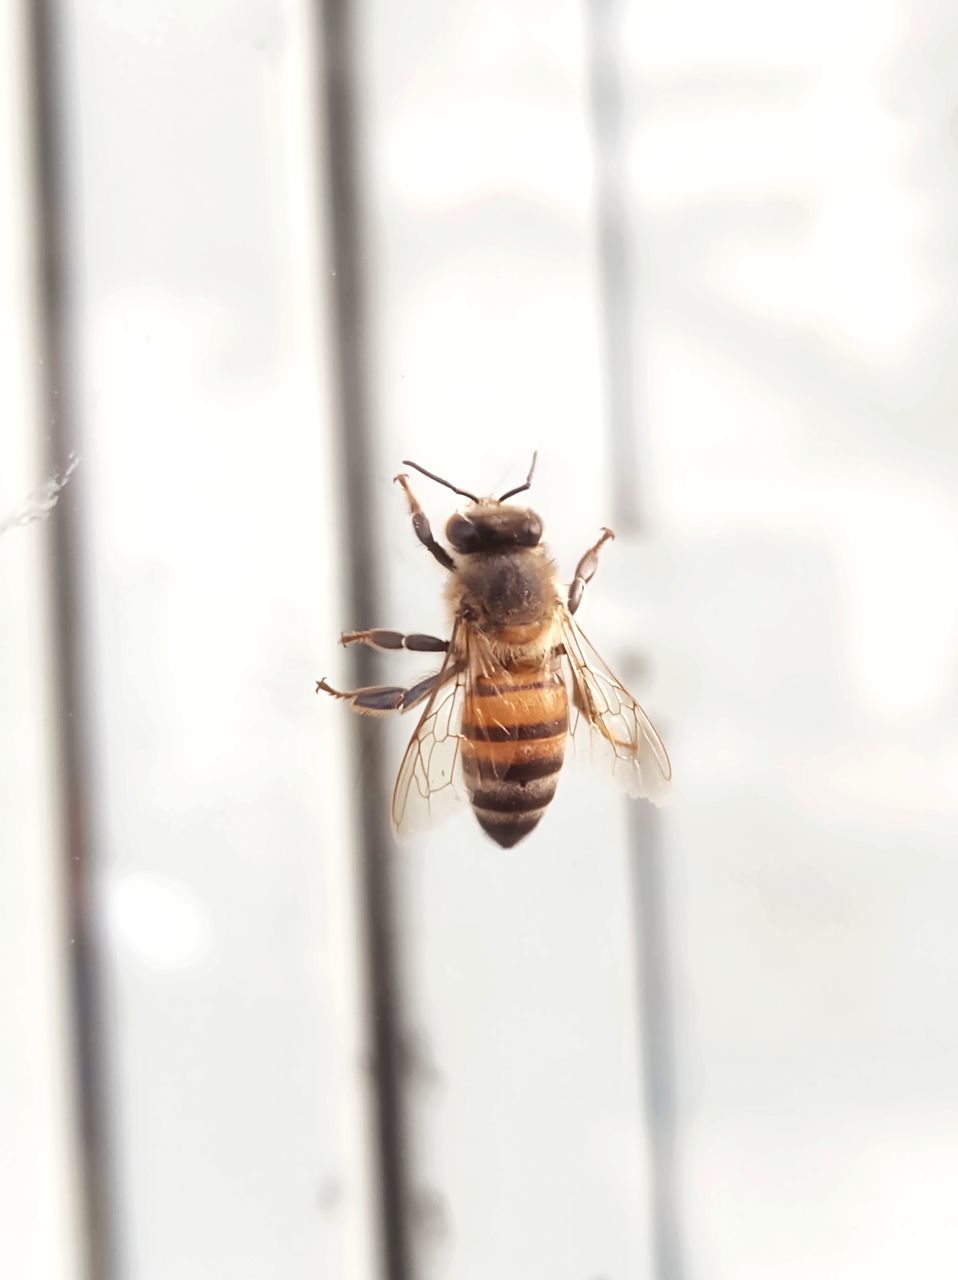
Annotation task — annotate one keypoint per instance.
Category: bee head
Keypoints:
(490, 526)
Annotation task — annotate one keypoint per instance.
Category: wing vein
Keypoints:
(609, 722)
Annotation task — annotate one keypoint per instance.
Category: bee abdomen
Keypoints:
(509, 810)
(513, 744)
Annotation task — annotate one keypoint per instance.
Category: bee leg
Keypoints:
(371, 701)
(381, 699)
(421, 526)
(585, 571)
(378, 639)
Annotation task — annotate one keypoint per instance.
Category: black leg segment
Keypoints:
(381, 699)
(421, 526)
(379, 639)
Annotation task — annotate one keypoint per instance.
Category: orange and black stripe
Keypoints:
(514, 729)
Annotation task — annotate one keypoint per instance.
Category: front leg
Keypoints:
(421, 526)
(379, 639)
(585, 570)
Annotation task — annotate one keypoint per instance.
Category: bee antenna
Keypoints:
(439, 480)
(522, 487)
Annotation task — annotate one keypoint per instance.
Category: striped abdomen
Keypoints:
(513, 740)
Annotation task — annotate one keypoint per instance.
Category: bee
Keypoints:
(518, 682)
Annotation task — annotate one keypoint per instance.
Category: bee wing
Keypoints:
(429, 784)
(608, 724)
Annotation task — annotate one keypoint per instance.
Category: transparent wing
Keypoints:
(607, 724)
(429, 784)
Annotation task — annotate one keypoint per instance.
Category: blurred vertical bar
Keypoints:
(38, 1184)
(615, 264)
(651, 928)
(629, 517)
(76, 743)
(362, 574)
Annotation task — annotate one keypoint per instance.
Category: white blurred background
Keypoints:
(704, 259)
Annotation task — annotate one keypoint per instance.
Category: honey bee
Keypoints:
(519, 679)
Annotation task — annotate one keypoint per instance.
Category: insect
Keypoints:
(518, 681)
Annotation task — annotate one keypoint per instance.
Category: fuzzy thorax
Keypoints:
(510, 598)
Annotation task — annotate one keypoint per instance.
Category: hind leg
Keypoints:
(380, 699)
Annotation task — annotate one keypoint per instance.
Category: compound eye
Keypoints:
(531, 532)
(462, 533)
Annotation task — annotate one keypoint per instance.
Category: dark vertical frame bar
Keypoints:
(338, 64)
(649, 914)
(49, 146)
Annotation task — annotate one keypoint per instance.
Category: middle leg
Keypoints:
(376, 638)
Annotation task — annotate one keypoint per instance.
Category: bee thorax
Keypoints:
(513, 592)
